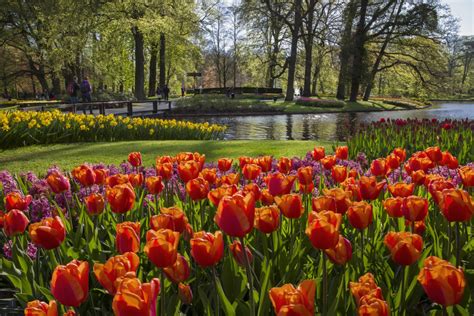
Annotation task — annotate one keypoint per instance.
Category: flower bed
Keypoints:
(19, 128)
(320, 234)
(320, 103)
(378, 138)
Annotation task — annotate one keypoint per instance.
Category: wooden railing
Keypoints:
(102, 106)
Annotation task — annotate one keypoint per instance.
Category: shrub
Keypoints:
(320, 103)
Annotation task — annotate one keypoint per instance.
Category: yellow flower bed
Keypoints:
(18, 128)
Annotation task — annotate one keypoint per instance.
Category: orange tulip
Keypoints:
(288, 300)
(265, 162)
(365, 287)
(290, 205)
(238, 254)
(370, 305)
(418, 177)
(393, 206)
(369, 187)
(324, 203)
(178, 271)
(197, 189)
(207, 249)
(16, 201)
(404, 247)
(58, 182)
(121, 198)
(162, 247)
(164, 170)
(279, 184)
(170, 218)
(184, 156)
(267, 198)
(306, 189)
(251, 171)
(378, 167)
(467, 176)
(224, 164)
(136, 179)
(243, 160)
(49, 233)
(342, 198)
(305, 175)
(415, 208)
(164, 159)
(323, 229)
(185, 294)
(84, 175)
(342, 152)
(128, 237)
(117, 179)
(284, 165)
(217, 194)
(434, 153)
(154, 185)
(267, 219)
(70, 283)
(135, 159)
(401, 189)
(339, 173)
(328, 162)
(101, 176)
(134, 297)
(352, 173)
(235, 214)
(436, 186)
(443, 283)
(449, 160)
(14, 223)
(115, 268)
(401, 153)
(420, 226)
(341, 253)
(360, 215)
(188, 170)
(318, 153)
(95, 204)
(210, 175)
(393, 162)
(456, 205)
(229, 179)
(38, 308)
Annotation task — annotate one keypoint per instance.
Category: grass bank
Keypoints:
(248, 104)
(39, 158)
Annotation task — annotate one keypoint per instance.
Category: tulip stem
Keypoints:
(249, 277)
(402, 293)
(325, 284)
(413, 227)
(214, 279)
(458, 246)
(362, 249)
(445, 311)
(163, 302)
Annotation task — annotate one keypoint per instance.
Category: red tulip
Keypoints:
(95, 204)
(284, 165)
(378, 167)
(197, 189)
(342, 198)
(370, 305)
(178, 271)
(318, 153)
(288, 300)
(401, 153)
(135, 159)
(224, 164)
(401, 189)
(185, 293)
(290, 205)
(267, 198)
(188, 170)
(342, 152)
(128, 237)
(154, 185)
(323, 229)
(456, 205)
(15, 200)
(169, 218)
(365, 287)
(162, 247)
(238, 254)
(101, 176)
(265, 162)
(279, 184)
(210, 175)
(267, 219)
(229, 179)
(14, 223)
(341, 253)
(114, 268)
(393, 162)
(369, 187)
(136, 179)
(418, 177)
(134, 297)
(449, 160)
(85, 175)
(360, 215)
(49, 233)
(251, 171)
(436, 186)
(121, 198)
(70, 283)
(328, 162)
(405, 247)
(305, 175)
(243, 160)
(415, 208)
(339, 173)
(217, 194)
(235, 214)
(324, 203)
(393, 206)
(434, 153)
(164, 170)
(38, 308)
(58, 182)
(467, 176)
(117, 179)
(207, 249)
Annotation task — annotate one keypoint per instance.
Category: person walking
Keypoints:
(86, 90)
(166, 92)
(159, 93)
(73, 90)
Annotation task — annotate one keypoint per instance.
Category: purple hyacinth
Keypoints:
(7, 249)
(40, 208)
(8, 182)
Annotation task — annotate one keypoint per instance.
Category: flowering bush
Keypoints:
(296, 236)
(19, 128)
(321, 103)
(379, 138)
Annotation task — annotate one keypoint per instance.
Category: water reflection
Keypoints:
(335, 127)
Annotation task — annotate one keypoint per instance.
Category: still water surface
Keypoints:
(337, 126)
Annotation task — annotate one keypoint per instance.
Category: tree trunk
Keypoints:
(314, 85)
(359, 50)
(345, 53)
(162, 60)
(290, 88)
(152, 70)
(56, 83)
(308, 64)
(139, 64)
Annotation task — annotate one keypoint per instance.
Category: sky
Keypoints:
(464, 10)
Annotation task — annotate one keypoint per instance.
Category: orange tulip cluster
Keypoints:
(368, 297)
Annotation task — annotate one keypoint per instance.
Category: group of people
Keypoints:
(163, 93)
(74, 88)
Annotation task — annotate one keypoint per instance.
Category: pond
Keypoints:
(336, 126)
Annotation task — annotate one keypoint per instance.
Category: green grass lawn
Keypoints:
(67, 156)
